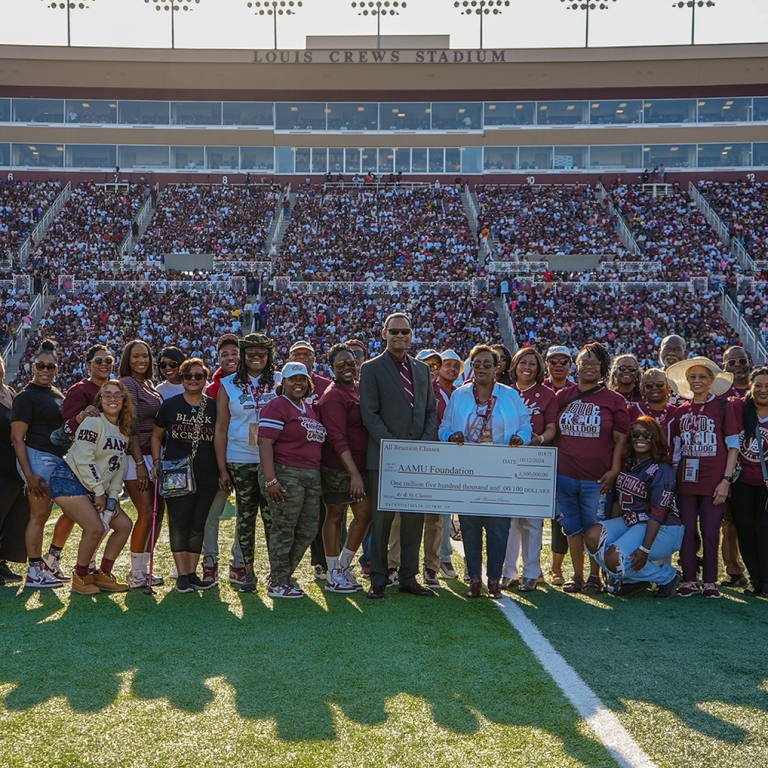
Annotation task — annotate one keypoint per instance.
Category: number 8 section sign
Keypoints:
(470, 479)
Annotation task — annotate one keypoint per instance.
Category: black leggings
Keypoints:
(750, 516)
(187, 516)
(14, 516)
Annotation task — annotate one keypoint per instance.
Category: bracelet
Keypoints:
(270, 483)
(643, 549)
(154, 461)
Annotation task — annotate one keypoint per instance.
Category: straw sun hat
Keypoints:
(676, 374)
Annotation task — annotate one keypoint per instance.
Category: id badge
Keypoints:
(691, 473)
(253, 435)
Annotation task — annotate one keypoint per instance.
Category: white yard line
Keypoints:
(606, 726)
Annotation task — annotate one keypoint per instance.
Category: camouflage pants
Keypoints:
(245, 478)
(294, 521)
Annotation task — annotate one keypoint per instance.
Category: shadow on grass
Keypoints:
(288, 661)
(674, 654)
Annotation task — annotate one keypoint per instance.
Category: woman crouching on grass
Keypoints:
(648, 530)
(87, 484)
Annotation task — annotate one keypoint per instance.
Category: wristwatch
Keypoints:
(729, 478)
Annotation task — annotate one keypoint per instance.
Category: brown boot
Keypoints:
(84, 585)
(475, 586)
(494, 589)
(108, 583)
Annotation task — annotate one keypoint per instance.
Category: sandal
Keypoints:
(573, 585)
(556, 578)
(593, 586)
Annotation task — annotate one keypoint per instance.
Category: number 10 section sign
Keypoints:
(470, 479)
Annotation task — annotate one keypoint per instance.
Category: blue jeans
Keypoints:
(627, 539)
(496, 533)
(578, 505)
(446, 550)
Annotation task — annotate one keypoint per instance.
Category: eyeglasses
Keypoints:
(700, 377)
(477, 365)
(395, 331)
(655, 384)
(45, 366)
(168, 364)
(195, 376)
(342, 364)
(262, 354)
(589, 363)
(112, 395)
(737, 361)
(637, 433)
(624, 368)
(105, 361)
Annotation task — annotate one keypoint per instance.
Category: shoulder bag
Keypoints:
(177, 476)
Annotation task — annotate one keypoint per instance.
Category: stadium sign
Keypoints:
(424, 56)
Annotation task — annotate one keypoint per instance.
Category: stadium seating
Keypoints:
(22, 205)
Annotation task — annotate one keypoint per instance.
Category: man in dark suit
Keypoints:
(397, 402)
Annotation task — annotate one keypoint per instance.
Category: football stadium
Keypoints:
(258, 302)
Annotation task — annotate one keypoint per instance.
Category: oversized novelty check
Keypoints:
(470, 479)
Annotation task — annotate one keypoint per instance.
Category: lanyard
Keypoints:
(486, 417)
(256, 393)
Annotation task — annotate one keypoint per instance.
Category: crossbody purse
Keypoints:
(761, 450)
(177, 476)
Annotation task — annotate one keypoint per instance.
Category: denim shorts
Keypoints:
(578, 505)
(42, 464)
(64, 482)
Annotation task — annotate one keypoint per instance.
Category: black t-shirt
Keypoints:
(177, 417)
(7, 454)
(40, 408)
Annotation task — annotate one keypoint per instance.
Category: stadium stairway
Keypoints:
(40, 231)
(143, 217)
(14, 358)
(282, 222)
(472, 208)
(505, 324)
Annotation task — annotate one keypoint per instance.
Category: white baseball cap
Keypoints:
(552, 351)
(294, 369)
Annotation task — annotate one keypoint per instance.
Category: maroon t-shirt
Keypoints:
(700, 429)
(442, 396)
(541, 403)
(666, 419)
(320, 384)
(735, 394)
(751, 470)
(297, 431)
(585, 432)
(569, 386)
(339, 409)
(79, 396)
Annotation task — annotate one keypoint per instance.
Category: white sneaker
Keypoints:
(52, 565)
(349, 575)
(336, 582)
(136, 580)
(321, 572)
(39, 578)
(284, 590)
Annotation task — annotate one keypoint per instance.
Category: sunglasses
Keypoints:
(435, 366)
(395, 331)
(636, 433)
(262, 354)
(45, 366)
(558, 361)
(342, 364)
(359, 353)
(191, 376)
(113, 395)
(477, 365)
(737, 361)
(168, 364)
(104, 361)
(655, 384)
(624, 368)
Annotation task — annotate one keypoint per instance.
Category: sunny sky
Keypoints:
(523, 24)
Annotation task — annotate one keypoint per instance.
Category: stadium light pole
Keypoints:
(481, 8)
(692, 5)
(589, 5)
(173, 6)
(275, 8)
(69, 6)
(379, 8)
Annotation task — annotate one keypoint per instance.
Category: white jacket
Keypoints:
(510, 416)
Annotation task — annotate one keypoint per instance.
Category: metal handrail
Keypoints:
(623, 230)
(38, 233)
(145, 212)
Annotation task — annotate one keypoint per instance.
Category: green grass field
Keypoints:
(219, 678)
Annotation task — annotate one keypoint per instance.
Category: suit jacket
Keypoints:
(384, 405)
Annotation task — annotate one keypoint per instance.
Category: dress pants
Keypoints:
(433, 539)
(411, 529)
(525, 532)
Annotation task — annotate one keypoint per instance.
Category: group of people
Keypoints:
(650, 463)
(22, 204)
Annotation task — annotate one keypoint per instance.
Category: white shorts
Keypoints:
(130, 467)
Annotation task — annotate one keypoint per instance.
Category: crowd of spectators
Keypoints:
(671, 229)
(189, 319)
(394, 233)
(742, 206)
(221, 219)
(546, 220)
(22, 205)
(14, 314)
(752, 300)
(633, 322)
(88, 230)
